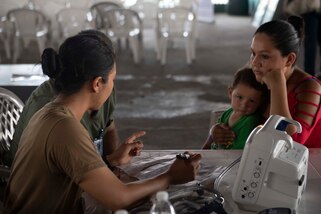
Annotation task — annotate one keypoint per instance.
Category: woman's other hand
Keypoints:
(124, 153)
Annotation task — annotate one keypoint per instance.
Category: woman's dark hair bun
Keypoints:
(50, 62)
(298, 23)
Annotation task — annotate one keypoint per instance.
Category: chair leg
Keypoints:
(188, 50)
(192, 42)
(163, 49)
(126, 43)
(157, 46)
(26, 41)
(7, 48)
(41, 44)
(16, 49)
(119, 44)
(6, 44)
(134, 43)
(6, 41)
(141, 45)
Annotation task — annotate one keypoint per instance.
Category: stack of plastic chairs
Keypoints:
(28, 24)
(71, 21)
(176, 23)
(99, 10)
(147, 11)
(5, 27)
(125, 24)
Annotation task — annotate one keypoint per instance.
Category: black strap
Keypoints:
(211, 207)
(110, 166)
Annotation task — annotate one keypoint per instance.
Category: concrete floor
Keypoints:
(173, 103)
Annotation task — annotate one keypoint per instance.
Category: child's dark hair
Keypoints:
(246, 76)
(81, 58)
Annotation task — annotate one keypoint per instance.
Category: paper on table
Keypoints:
(150, 166)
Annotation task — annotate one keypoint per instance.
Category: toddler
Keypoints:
(248, 98)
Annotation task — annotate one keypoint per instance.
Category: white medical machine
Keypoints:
(273, 168)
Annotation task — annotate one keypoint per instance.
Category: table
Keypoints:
(21, 79)
(214, 161)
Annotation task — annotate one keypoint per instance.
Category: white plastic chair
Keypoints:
(71, 21)
(125, 24)
(98, 11)
(50, 9)
(192, 5)
(5, 26)
(28, 25)
(147, 11)
(176, 23)
(10, 109)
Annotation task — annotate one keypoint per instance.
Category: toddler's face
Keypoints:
(245, 100)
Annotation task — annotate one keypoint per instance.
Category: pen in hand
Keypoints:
(183, 156)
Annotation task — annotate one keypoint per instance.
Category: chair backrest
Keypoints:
(10, 109)
(147, 11)
(7, 5)
(49, 8)
(83, 4)
(189, 4)
(122, 22)
(119, 2)
(176, 22)
(28, 22)
(71, 21)
(99, 10)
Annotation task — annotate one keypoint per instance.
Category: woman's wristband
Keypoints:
(109, 165)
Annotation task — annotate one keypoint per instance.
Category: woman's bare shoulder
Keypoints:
(304, 81)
